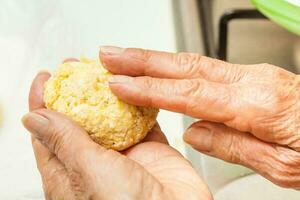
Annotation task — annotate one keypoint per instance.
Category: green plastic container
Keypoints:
(281, 12)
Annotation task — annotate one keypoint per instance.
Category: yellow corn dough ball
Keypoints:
(80, 90)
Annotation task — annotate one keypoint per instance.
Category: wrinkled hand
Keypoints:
(251, 112)
(72, 166)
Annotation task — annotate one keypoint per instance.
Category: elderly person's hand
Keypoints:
(72, 166)
(251, 112)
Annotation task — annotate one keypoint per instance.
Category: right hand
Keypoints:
(252, 112)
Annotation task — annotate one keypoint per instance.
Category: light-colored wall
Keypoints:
(40, 34)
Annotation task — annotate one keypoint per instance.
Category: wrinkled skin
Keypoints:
(251, 113)
(73, 167)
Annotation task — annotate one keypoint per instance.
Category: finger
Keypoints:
(139, 62)
(45, 159)
(70, 60)
(156, 135)
(276, 163)
(191, 97)
(54, 175)
(37, 87)
(63, 137)
(37, 91)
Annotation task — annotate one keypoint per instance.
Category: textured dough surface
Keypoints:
(80, 90)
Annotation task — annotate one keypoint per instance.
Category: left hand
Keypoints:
(72, 166)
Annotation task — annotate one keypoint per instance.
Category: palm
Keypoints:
(169, 168)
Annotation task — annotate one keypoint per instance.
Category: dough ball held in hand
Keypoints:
(81, 91)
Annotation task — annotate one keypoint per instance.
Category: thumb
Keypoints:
(219, 141)
(274, 162)
(62, 136)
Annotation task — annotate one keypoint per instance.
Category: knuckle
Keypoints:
(148, 85)
(234, 146)
(190, 87)
(228, 95)
(289, 159)
(285, 171)
(58, 139)
(285, 93)
(76, 182)
(140, 54)
(147, 82)
(280, 73)
(283, 178)
(199, 91)
(279, 101)
(266, 70)
(52, 176)
(232, 72)
(266, 67)
(189, 62)
(273, 71)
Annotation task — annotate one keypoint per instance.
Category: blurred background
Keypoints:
(39, 34)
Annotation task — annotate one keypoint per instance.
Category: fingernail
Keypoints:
(120, 79)
(70, 60)
(43, 72)
(35, 123)
(199, 138)
(111, 50)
